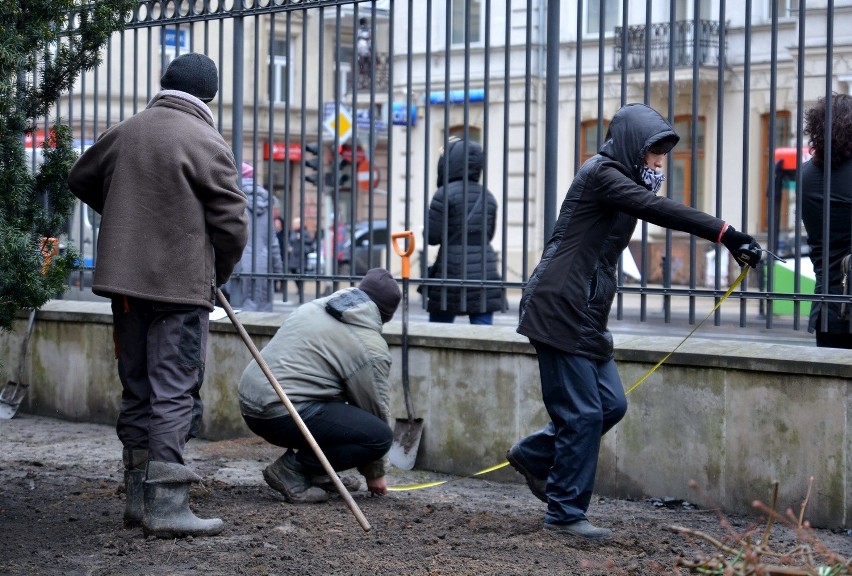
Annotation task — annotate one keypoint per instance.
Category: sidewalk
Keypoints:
(657, 320)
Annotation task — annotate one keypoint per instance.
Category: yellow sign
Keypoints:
(340, 126)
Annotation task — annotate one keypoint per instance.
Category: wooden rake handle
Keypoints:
(344, 493)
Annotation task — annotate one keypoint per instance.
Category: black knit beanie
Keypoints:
(194, 74)
(383, 290)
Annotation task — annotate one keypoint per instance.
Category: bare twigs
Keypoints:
(738, 555)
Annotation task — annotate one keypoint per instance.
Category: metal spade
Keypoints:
(406, 432)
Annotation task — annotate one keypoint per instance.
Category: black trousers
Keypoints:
(348, 436)
(161, 350)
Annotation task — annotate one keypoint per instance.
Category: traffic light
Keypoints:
(340, 173)
(337, 174)
(314, 163)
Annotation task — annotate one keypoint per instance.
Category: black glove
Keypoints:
(744, 248)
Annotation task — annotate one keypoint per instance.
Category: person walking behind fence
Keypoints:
(278, 223)
(299, 245)
(331, 360)
(565, 307)
(837, 279)
(261, 249)
(467, 213)
(173, 227)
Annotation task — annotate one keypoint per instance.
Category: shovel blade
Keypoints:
(406, 441)
(10, 399)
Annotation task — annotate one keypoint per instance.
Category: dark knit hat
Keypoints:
(194, 74)
(383, 290)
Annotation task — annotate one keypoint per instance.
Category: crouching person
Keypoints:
(331, 360)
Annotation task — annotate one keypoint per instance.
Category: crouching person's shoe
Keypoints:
(287, 477)
(166, 502)
(536, 485)
(351, 483)
(582, 528)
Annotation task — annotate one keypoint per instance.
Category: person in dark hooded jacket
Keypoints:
(462, 220)
(565, 308)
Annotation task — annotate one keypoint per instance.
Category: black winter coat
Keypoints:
(567, 300)
(839, 237)
(468, 214)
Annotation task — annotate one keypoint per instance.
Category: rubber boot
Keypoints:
(167, 513)
(135, 462)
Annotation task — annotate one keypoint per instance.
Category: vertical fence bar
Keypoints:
(746, 137)
(800, 98)
(507, 105)
(829, 122)
(720, 126)
(551, 118)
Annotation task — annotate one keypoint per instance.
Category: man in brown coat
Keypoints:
(173, 227)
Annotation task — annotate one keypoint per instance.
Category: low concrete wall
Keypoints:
(733, 418)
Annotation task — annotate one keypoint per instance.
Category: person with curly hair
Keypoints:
(830, 240)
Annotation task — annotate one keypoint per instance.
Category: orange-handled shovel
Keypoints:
(406, 433)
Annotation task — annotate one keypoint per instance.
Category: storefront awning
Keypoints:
(291, 153)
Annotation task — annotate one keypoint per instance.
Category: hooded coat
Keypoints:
(468, 213)
(174, 223)
(256, 256)
(567, 300)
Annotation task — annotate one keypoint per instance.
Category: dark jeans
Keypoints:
(161, 350)
(348, 436)
(584, 399)
(484, 319)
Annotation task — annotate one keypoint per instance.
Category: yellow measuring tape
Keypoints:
(439, 482)
(691, 332)
(733, 287)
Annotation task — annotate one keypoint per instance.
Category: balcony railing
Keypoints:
(372, 74)
(668, 45)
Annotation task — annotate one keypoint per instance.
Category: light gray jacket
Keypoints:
(317, 357)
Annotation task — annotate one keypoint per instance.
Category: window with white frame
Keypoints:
(462, 9)
(684, 10)
(281, 84)
(786, 9)
(612, 11)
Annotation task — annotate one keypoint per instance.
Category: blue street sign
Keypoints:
(173, 38)
(457, 96)
(400, 118)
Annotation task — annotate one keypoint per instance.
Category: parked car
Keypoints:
(369, 251)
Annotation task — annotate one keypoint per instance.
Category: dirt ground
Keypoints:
(61, 507)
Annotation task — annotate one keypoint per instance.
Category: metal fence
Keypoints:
(342, 108)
